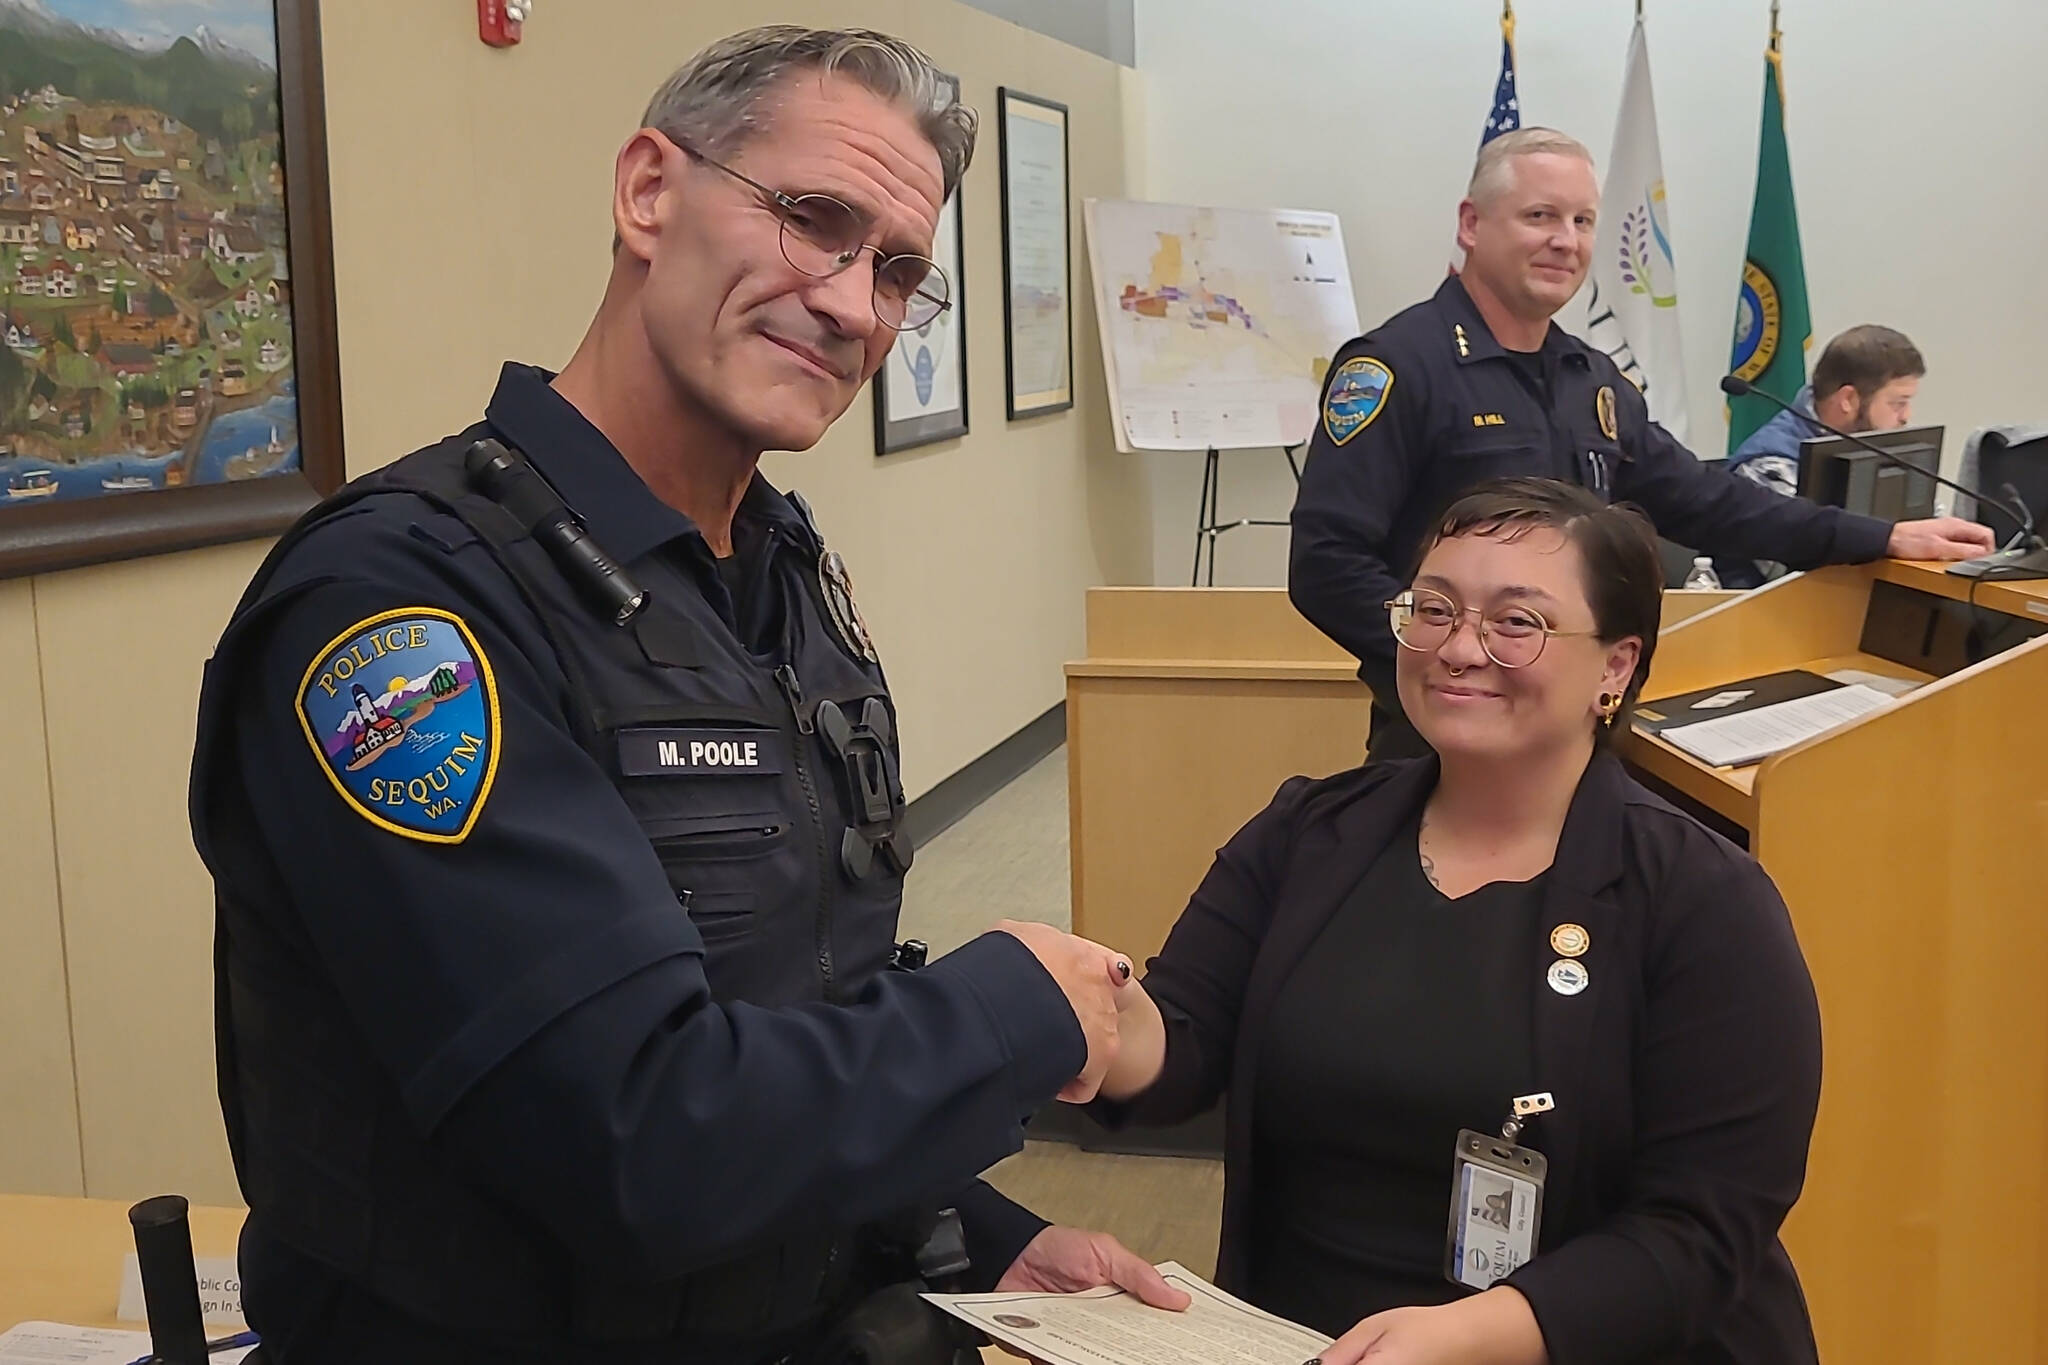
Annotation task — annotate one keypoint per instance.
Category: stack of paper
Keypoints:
(50, 1343)
(1752, 736)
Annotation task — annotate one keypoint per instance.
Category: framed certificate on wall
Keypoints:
(1038, 299)
(921, 389)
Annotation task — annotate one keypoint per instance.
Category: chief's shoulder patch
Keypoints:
(402, 711)
(1357, 392)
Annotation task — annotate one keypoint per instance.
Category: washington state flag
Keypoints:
(1772, 328)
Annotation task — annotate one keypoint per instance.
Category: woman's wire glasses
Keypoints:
(1513, 636)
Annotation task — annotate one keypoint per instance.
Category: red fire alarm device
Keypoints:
(499, 21)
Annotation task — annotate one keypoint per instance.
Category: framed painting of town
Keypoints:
(168, 375)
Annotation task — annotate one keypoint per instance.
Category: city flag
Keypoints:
(1632, 290)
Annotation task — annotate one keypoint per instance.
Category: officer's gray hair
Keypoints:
(719, 98)
(1490, 174)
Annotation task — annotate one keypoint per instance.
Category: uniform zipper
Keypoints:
(793, 693)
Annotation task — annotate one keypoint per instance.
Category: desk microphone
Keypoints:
(2024, 557)
(170, 1280)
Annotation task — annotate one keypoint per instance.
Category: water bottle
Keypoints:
(1703, 575)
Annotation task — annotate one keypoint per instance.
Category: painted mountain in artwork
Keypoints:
(406, 700)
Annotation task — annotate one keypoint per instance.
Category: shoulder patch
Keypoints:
(1357, 392)
(402, 711)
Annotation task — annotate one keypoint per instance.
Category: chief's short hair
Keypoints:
(1491, 172)
(717, 100)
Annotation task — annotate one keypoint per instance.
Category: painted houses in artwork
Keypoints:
(144, 285)
(236, 243)
(128, 361)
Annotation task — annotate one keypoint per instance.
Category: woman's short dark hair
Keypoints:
(1624, 576)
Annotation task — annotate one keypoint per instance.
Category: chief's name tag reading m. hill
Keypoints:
(403, 712)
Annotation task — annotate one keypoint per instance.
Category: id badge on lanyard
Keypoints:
(1496, 1200)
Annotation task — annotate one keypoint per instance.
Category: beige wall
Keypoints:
(38, 1102)
(471, 223)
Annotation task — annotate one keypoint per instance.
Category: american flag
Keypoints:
(1506, 115)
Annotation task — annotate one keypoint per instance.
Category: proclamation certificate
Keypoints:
(1109, 1327)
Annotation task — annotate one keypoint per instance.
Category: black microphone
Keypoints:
(1736, 387)
(170, 1281)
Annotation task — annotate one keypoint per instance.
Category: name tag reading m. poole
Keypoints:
(702, 753)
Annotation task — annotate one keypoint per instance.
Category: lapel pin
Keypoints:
(1568, 976)
(1570, 940)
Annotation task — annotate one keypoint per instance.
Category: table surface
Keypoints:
(2016, 597)
(60, 1259)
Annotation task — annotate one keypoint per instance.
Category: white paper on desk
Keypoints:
(1731, 741)
(50, 1343)
(1109, 1327)
(1876, 682)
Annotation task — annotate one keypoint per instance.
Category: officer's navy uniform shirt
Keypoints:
(1459, 409)
(527, 1022)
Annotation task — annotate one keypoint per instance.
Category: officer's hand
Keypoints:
(1090, 975)
(1940, 538)
(1068, 1260)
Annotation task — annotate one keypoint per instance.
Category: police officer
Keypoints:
(1478, 382)
(548, 780)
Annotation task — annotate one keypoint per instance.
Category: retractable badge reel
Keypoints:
(1496, 1200)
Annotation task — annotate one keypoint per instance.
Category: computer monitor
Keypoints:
(1840, 473)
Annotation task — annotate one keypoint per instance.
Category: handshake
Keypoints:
(1121, 1025)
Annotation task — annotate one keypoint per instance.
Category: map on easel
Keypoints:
(1217, 324)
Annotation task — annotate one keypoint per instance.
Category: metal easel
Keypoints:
(1207, 528)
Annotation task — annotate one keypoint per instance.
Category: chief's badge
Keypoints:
(1357, 392)
(1603, 404)
(837, 584)
(402, 711)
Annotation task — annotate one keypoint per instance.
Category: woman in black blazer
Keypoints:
(1382, 958)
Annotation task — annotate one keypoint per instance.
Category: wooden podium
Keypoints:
(1192, 707)
(1912, 848)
